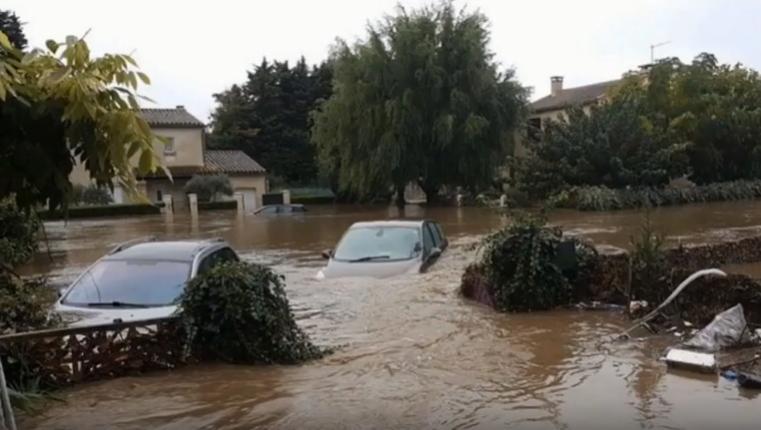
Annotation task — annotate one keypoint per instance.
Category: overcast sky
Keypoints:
(192, 50)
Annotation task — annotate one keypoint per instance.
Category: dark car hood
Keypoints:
(370, 269)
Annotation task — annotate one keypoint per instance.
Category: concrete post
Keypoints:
(239, 201)
(193, 202)
(168, 203)
(459, 199)
(503, 201)
(286, 197)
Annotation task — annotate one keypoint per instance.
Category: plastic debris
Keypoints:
(637, 305)
(727, 329)
(691, 360)
(729, 375)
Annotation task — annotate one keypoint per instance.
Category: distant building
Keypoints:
(553, 105)
(184, 155)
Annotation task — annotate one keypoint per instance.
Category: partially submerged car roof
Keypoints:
(389, 223)
(180, 250)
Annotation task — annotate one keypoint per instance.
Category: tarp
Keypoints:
(728, 329)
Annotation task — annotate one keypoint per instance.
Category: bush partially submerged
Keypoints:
(524, 268)
(25, 304)
(238, 312)
(599, 198)
(90, 195)
(208, 188)
(18, 235)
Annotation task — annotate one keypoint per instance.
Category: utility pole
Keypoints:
(652, 50)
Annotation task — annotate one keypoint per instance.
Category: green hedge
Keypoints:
(103, 211)
(315, 200)
(225, 204)
(600, 198)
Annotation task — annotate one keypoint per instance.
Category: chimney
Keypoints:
(181, 107)
(556, 85)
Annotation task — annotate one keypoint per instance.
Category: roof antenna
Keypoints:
(652, 50)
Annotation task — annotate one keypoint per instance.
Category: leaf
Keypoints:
(143, 77)
(52, 45)
(145, 164)
(71, 40)
(5, 42)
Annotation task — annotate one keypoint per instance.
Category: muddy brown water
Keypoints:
(411, 352)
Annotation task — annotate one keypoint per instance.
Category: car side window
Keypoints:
(436, 234)
(428, 241)
(223, 255)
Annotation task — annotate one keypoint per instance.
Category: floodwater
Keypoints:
(411, 352)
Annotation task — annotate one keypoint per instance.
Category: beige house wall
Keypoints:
(188, 147)
(257, 182)
(176, 189)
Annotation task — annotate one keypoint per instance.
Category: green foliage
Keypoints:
(268, 117)
(12, 27)
(209, 188)
(594, 198)
(701, 119)
(60, 104)
(90, 195)
(419, 100)
(239, 312)
(522, 269)
(26, 304)
(607, 146)
(648, 264)
(18, 235)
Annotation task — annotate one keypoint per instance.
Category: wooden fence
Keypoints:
(60, 357)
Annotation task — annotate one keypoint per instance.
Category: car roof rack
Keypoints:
(124, 245)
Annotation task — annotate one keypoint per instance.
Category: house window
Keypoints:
(534, 129)
(159, 196)
(169, 146)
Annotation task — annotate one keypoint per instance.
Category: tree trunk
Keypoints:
(431, 193)
(400, 202)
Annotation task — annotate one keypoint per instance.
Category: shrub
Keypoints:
(208, 188)
(18, 235)
(600, 198)
(238, 312)
(649, 267)
(25, 304)
(90, 195)
(523, 270)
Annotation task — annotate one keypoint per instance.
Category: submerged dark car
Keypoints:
(380, 249)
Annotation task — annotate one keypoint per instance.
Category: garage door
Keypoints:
(249, 199)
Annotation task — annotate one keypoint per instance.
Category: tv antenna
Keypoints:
(652, 49)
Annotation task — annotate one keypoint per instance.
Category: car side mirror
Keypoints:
(327, 254)
(435, 253)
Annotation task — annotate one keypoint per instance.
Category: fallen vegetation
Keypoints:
(238, 312)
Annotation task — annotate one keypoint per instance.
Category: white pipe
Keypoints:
(674, 294)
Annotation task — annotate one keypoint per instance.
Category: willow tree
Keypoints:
(59, 105)
(420, 100)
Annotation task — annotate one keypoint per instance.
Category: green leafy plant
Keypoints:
(90, 195)
(601, 198)
(18, 235)
(238, 312)
(209, 188)
(648, 264)
(522, 266)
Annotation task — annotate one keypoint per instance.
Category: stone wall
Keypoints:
(610, 277)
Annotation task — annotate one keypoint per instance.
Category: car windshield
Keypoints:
(130, 282)
(378, 244)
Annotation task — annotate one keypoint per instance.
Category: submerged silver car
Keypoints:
(380, 249)
(138, 280)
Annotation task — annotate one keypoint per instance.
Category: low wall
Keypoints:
(610, 278)
(61, 357)
(102, 211)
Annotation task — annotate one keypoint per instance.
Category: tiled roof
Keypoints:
(573, 96)
(177, 117)
(230, 162)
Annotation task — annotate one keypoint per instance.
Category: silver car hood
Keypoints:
(76, 316)
(369, 269)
